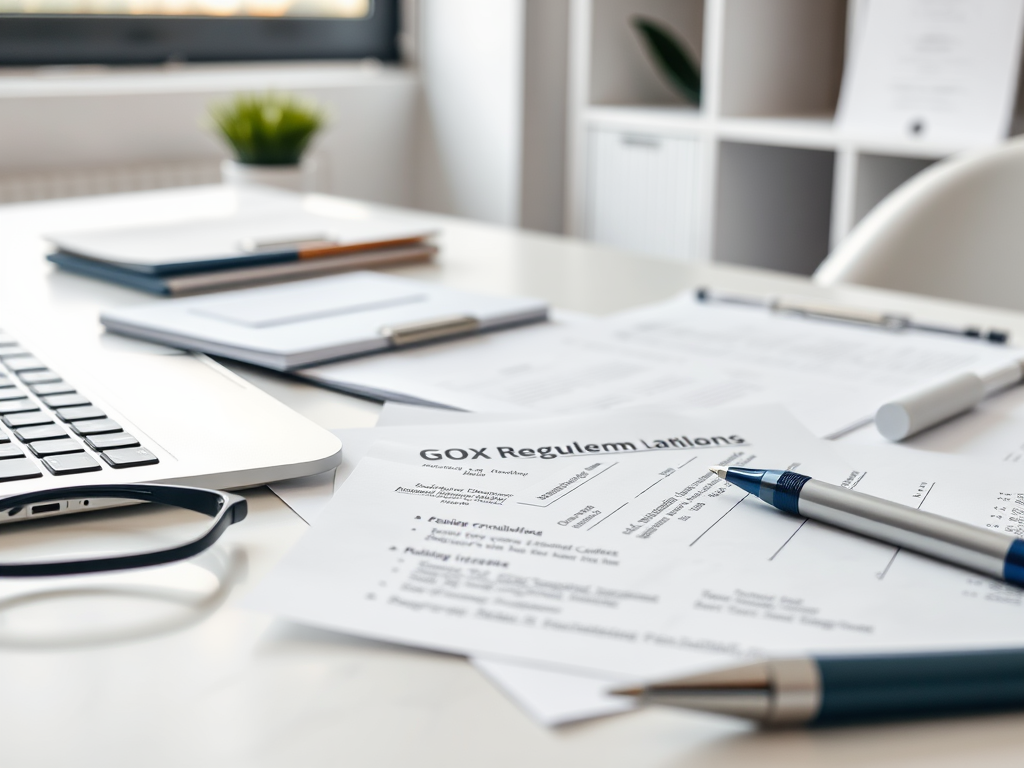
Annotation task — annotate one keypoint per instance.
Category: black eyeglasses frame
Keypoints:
(226, 509)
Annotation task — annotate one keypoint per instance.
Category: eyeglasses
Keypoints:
(71, 530)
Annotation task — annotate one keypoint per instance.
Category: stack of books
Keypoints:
(258, 244)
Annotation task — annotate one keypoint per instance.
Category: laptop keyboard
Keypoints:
(50, 427)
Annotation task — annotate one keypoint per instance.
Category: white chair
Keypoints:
(956, 230)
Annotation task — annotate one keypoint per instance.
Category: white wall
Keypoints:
(93, 119)
(475, 126)
(470, 57)
(545, 105)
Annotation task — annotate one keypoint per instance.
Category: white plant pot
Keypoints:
(298, 178)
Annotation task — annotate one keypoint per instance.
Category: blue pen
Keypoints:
(843, 689)
(992, 553)
(836, 690)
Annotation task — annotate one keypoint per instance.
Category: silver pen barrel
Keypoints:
(978, 549)
(774, 692)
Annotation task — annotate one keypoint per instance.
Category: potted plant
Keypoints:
(268, 134)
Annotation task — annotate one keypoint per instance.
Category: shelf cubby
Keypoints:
(620, 71)
(781, 57)
(769, 179)
(773, 206)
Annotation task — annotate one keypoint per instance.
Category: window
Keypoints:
(34, 32)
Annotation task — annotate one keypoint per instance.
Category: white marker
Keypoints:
(930, 405)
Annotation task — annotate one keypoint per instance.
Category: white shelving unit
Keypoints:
(765, 178)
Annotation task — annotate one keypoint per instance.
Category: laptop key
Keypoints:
(63, 401)
(95, 427)
(55, 447)
(4, 438)
(52, 388)
(18, 469)
(71, 464)
(29, 419)
(6, 340)
(19, 364)
(78, 413)
(11, 393)
(113, 440)
(5, 380)
(17, 406)
(43, 432)
(11, 451)
(38, 377)
(120, 458)
(13, 351)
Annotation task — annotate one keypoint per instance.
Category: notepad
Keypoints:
(312, 321)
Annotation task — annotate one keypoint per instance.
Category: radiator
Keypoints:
(45, 185)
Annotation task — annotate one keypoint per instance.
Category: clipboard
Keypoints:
(293, 325)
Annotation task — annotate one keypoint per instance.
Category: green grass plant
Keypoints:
(267, 129)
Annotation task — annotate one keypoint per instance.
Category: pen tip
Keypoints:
(627, 692)
(720, 471)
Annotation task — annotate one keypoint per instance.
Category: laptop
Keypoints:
(78, 408)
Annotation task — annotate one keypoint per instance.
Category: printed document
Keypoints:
(933, 71)
(606, 546)
(679, 354)
(550, 698)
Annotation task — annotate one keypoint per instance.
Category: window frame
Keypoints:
(53, 39)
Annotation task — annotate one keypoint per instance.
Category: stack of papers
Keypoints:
(565, 555)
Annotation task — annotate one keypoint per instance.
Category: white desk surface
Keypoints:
(131, 674)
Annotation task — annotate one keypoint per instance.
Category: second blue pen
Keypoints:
(992, 553)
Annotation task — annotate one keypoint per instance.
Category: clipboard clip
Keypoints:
(429, 330)
(294, 243)
(863, 317)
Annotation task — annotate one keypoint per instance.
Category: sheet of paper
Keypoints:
(968, 489)
(680, 354)
(937, 71)
(307, 496)
(550, 698)
(555, 698)
(406, 415)
(514, 558)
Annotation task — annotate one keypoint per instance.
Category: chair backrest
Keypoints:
(956, 230)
